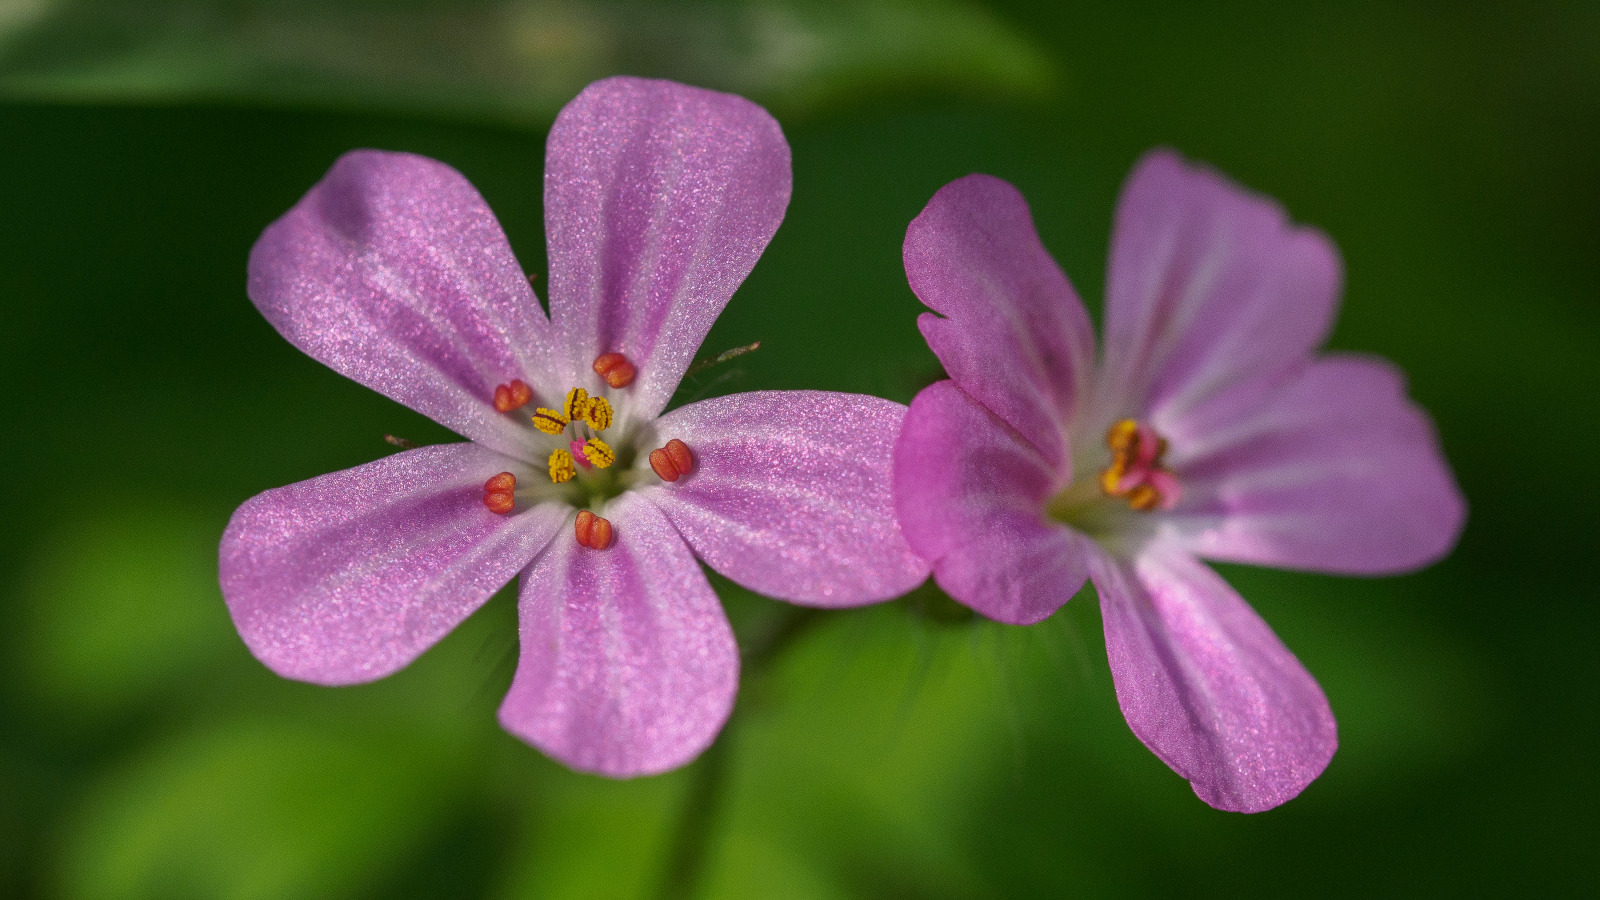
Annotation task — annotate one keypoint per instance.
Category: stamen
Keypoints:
(599, 453)
(598, 415)
(499, 493)
(672, 461)
(662, 464)
(601, 534)
(592, 531)
(1136, 473)
(615, 369)
(577, 404)
(549, 421)
(562, 467)
(513, 396)
(1122, 435)
(1143, 497)
(682, 459)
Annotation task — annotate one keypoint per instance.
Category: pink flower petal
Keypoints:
(1207, 686)
(791, 495)
(1209, 285)
(1010, 331)
(971, 495)
(349, 577)
(1336, 472)
(659, 198)
(393, 271)
(628, 664)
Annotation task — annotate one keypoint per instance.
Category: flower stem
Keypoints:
(686, 858)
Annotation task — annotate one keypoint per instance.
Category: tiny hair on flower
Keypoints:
(1208, 427)
(659, 198)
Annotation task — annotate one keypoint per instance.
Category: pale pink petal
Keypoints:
(791, 494)
(1336, 472)
(971, 494)
(394, 272)
(1207, 686)
(658, 200)
(628, 665)
(348, 577)
(1209, 286)
(1010, 331)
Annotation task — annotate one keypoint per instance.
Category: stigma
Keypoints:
(1136, 473)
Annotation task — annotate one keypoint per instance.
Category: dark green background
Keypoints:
(1450, 152)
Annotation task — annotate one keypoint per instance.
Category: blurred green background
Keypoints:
(1453, 152)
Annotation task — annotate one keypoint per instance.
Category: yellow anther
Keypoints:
(598, 415)
(599, 453)
(562, 467)
(1144, 497)
(1136, 473)
(577, 404)
(549, 421)
(1111, 479)
(1122, 436)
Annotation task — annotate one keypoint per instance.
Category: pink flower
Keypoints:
(658, 200)
(1209, 427)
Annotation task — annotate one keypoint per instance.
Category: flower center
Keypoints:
(1136, 473)
(1135, 481)
(584, 470)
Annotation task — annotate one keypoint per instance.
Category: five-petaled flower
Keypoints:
(658, 200)
(1209, 428)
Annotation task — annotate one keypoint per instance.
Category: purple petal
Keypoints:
(658, 200)
(628, 664)
(1209, 285)
(1336, 472)
(791, 495)
(971, 495)
(1207, 686)
(349, 577)
(1013, 333)
(393, 272)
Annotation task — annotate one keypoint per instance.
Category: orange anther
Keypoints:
(592, 531)
(682, 459)
(615, 369)
(601, 534)
(672, 461)
(499, 493)
(516, 395)
(662, 464)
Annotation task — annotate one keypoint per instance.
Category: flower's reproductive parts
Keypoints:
(583, 469)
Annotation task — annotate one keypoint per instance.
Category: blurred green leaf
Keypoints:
(591, 837)
(516, 61)
(119, 604)
(256, 810)
(851, 752)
